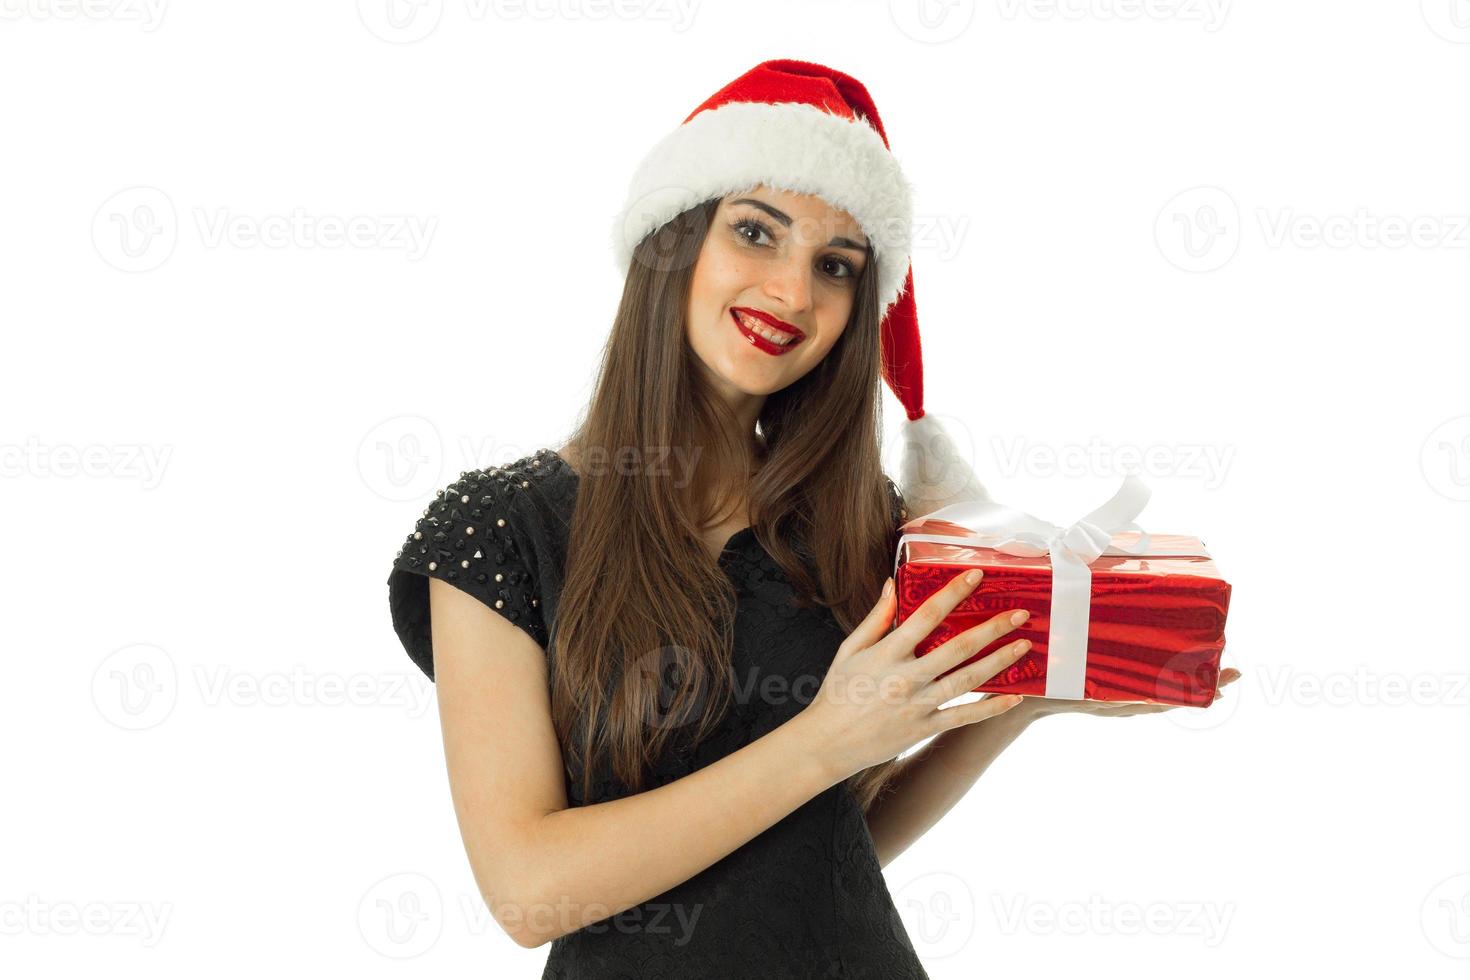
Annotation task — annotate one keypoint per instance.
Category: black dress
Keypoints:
(804, 899)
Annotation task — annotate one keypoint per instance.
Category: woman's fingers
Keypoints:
(875, 624)
(923, 620)
(971, 676)
(957, 649)
(973, 711)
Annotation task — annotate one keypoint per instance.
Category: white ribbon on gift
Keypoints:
(1072, 549)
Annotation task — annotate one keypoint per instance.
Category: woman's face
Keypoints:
(788, 256)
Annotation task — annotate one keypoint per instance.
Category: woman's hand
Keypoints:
(1038, 706)
(878, 699)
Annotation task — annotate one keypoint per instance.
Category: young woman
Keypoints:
(671, 694)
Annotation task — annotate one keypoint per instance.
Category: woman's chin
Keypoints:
(742, 374)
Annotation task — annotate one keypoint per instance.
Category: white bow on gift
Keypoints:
(1073, 549)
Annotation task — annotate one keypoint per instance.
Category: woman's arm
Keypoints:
(544, 868)
(607, 857)
(932, 780)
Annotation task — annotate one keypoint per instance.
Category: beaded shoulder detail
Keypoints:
(475, 534)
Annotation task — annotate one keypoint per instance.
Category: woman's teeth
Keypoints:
(756, 326)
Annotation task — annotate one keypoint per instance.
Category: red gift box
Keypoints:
(1154, 626)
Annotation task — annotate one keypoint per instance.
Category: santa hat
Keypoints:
(809, 129)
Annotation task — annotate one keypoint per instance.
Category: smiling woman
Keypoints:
(640, 669)
(772, 292)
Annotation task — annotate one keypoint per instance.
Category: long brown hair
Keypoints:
(638, 576)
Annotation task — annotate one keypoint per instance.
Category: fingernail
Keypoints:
(1017, 618)
(972, 576)
(888, 587)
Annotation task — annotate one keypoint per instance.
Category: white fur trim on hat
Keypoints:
(792, 146)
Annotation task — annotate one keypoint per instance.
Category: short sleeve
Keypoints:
(474, 536)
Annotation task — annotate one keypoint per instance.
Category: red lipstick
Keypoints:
(759, 342)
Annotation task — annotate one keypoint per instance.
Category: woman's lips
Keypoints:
(746, 321)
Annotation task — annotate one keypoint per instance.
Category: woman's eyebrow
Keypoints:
(785, 219)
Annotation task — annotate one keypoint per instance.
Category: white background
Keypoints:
(1234, 234)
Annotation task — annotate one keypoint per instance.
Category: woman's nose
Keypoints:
(792, 285)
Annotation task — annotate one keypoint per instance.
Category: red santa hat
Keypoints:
(809, 129)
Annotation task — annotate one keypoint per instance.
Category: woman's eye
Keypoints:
(750, 224)
(842, 264)
(834, 267)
